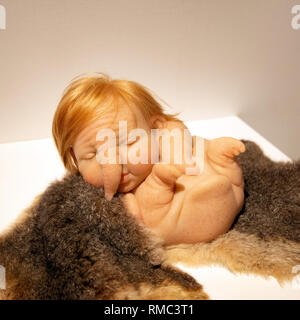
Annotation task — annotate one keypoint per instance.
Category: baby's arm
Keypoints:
(152, 201)
(194, 214)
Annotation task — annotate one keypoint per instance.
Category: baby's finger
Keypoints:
(166, 174)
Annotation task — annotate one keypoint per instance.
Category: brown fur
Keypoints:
(265, 238)
(241, 253)
(73, 244)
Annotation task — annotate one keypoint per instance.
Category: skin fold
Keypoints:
(180, 208)
(189, 209)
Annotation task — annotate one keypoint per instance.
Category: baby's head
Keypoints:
(91, 103)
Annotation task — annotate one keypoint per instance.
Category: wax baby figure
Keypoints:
(179, 207)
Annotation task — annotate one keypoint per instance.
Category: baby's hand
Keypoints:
(164, 176)
(159, 187)
(154, 196)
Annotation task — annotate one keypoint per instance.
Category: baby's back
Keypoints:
(209, 205)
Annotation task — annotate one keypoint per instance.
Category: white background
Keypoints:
(205, 58)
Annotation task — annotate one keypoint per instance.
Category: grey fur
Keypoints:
(76, 245)
(73, 244)
(272, 196)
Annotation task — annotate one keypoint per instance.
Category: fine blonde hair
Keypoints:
(86, 98)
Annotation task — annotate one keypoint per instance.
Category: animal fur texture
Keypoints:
(73, 244)
(265, 237)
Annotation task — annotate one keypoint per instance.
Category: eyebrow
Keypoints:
(86, 143)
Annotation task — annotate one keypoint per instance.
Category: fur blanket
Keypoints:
(73, 244)
(265, 237)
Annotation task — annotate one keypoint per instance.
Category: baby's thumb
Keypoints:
(166, 174)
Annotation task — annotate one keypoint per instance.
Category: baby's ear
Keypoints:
(158, 122)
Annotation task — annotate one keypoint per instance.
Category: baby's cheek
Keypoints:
(92, 174)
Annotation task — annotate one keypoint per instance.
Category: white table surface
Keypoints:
(27, 168)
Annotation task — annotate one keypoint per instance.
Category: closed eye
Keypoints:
(132, 140)
(88, 156)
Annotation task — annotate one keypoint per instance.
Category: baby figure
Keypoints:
(179, 207)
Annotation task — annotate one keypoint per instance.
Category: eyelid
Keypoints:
(88, 156)
(132, 140)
